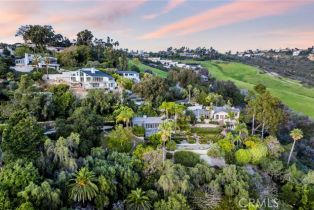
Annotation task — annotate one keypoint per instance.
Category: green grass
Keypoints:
(290, 92)
(143, 67)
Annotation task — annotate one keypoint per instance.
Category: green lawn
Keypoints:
(291, 92)
(143, 67)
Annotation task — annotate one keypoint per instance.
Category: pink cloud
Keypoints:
(230, 13)
(73, 16)
(14, 13)
(172, 4)
(98, 14)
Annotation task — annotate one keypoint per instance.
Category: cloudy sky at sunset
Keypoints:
(156, 24)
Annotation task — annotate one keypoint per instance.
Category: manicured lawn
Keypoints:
(291, 92)
(143, 67)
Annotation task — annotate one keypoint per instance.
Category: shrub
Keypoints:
(206, 130)
(139, 131)
(186, 158)
(243, 156)
(258, 153)
(273, 167)
(171, 145)
(214, 151)
(169, 155)
(141, 149)
(225, 145)
(191, 140)
(155, 140)
(120, 139)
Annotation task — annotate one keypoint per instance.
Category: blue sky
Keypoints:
(154, 25)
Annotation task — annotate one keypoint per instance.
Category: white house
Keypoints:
(87, 78)
(91, 78)
(150, 124)
(133, 75)
(200, 112)
(26, 64)
(221, 114)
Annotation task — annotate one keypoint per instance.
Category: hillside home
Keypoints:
(133, 75)
(26, 64)
(150, 124)
(91, 78)
(200, 112)
(221, 114)
(87, 78)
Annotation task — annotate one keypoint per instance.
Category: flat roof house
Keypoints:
(133, 75)
(26, 64)
(150, 124)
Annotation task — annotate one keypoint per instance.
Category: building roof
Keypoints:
(95, 72)
(217, 109)
(148, 120)
(195, 107)
(127, 72)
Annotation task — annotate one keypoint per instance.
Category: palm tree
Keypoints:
(83, 189)
(138, 200)
(165, 129)
(167, 108)
(177, 109)
(36, 60)
(296, 134)
(190, 88)
(241, 130)
(47, 61)
(125, 115)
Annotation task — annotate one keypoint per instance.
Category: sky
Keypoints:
(154, 25)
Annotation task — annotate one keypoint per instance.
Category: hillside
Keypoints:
(293, 67)
(291, 92)
(143, 67)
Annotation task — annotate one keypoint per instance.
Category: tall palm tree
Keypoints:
(167, 108)
(165, 129)
(36, 60)
(125, 115)
(242, 130)
(190, 88)
(47, 62)
(177, 109)
(296, 134)
(83, 189)
(138, 200)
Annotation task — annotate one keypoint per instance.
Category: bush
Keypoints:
(141, 149)
(171, 145)
(186, 158)
(155, 140)
(258, 153)
(191, 140)
(243, 156)
(139, 131)
(120, 139)
(214, 151)
(225, 145)
(169, 155)
(205, 130)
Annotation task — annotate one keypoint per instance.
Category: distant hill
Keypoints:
(294, 67)
(291, 92)
(144, 67)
